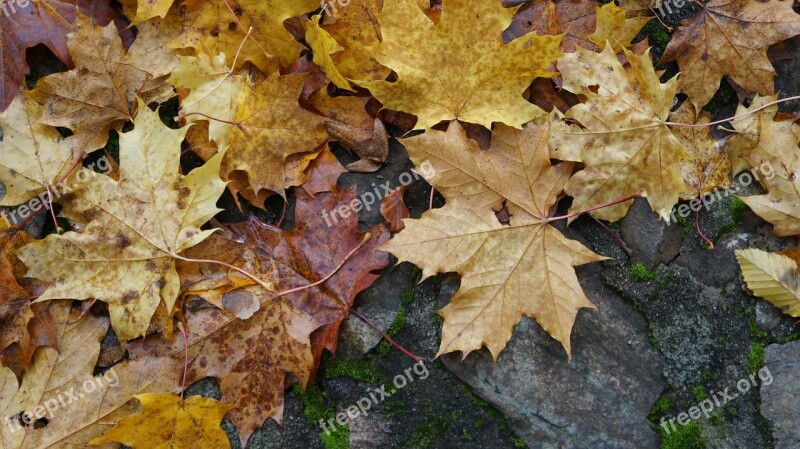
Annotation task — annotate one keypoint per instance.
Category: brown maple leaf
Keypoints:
(730, 38)
(42, 22)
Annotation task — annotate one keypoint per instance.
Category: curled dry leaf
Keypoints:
(509, 271)
(394, 209)
(373, 151)
(135, 228)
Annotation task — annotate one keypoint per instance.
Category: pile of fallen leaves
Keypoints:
(490, 94)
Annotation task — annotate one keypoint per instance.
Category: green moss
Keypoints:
(684, 437)
(359, 370)
(479, 424)
(425, 434)
(398, 324)
(456, 415)
(792, 337)
(755, 359)
(640, 273)
(736, 210)
(466, 436)
(316, 410)
(755, 332)
(660, 408)
(699, 393)
(656, 35)
(519, 443)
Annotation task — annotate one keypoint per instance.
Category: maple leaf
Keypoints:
(431, 60)
(100, 94)
(708, 166)
(193, 423)
(730, 38)
(15, 310)
(221, 26)
(763, 136)
(768, 142)
(624, 141)
(373, 152)
(772, 277)
(252, 358)
(583, 22)
(499, 265)
(150, 54)
(34, 155)
(269, 126)
(214, 91)
(323, 45)
(137, 226)
(147, 9)
(41, 22)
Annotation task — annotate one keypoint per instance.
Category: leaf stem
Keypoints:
(697, 226)
(405, 351)
(719, 122)
(183, 115)
(266, 286)
(601, 206)
(620, 243)
(367, 238)
(185, 359)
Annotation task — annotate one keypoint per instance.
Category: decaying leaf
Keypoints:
(169, 422)
(99, 94)
(624, 141)
(584, 23)
(373, 151)
(730, 38)
(147, 9)
(500, 265)
(773, 277)
(15, 310)
(221, 26)
(34, 155)
(26, 24)
(458, 68)
(708, 167)
(135, 229)
(394, 209)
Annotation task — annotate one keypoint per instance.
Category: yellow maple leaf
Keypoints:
(624, 142)
(772, 277)
(214, 91)
(762, 136)
(221, 26)
(147, 9)
(523, 269)
(720, 41)
(613, 26)
(168, 422)
(324, 45)
(136, 227)
(34, 155)
(458, 68)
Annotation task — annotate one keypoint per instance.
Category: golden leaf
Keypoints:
(136, 227)
(772, 277)
(507, 272)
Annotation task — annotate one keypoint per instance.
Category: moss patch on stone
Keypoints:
(640, 273)
(684, 437)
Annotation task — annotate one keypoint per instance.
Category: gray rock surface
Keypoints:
(599, 400)
(780, 401)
